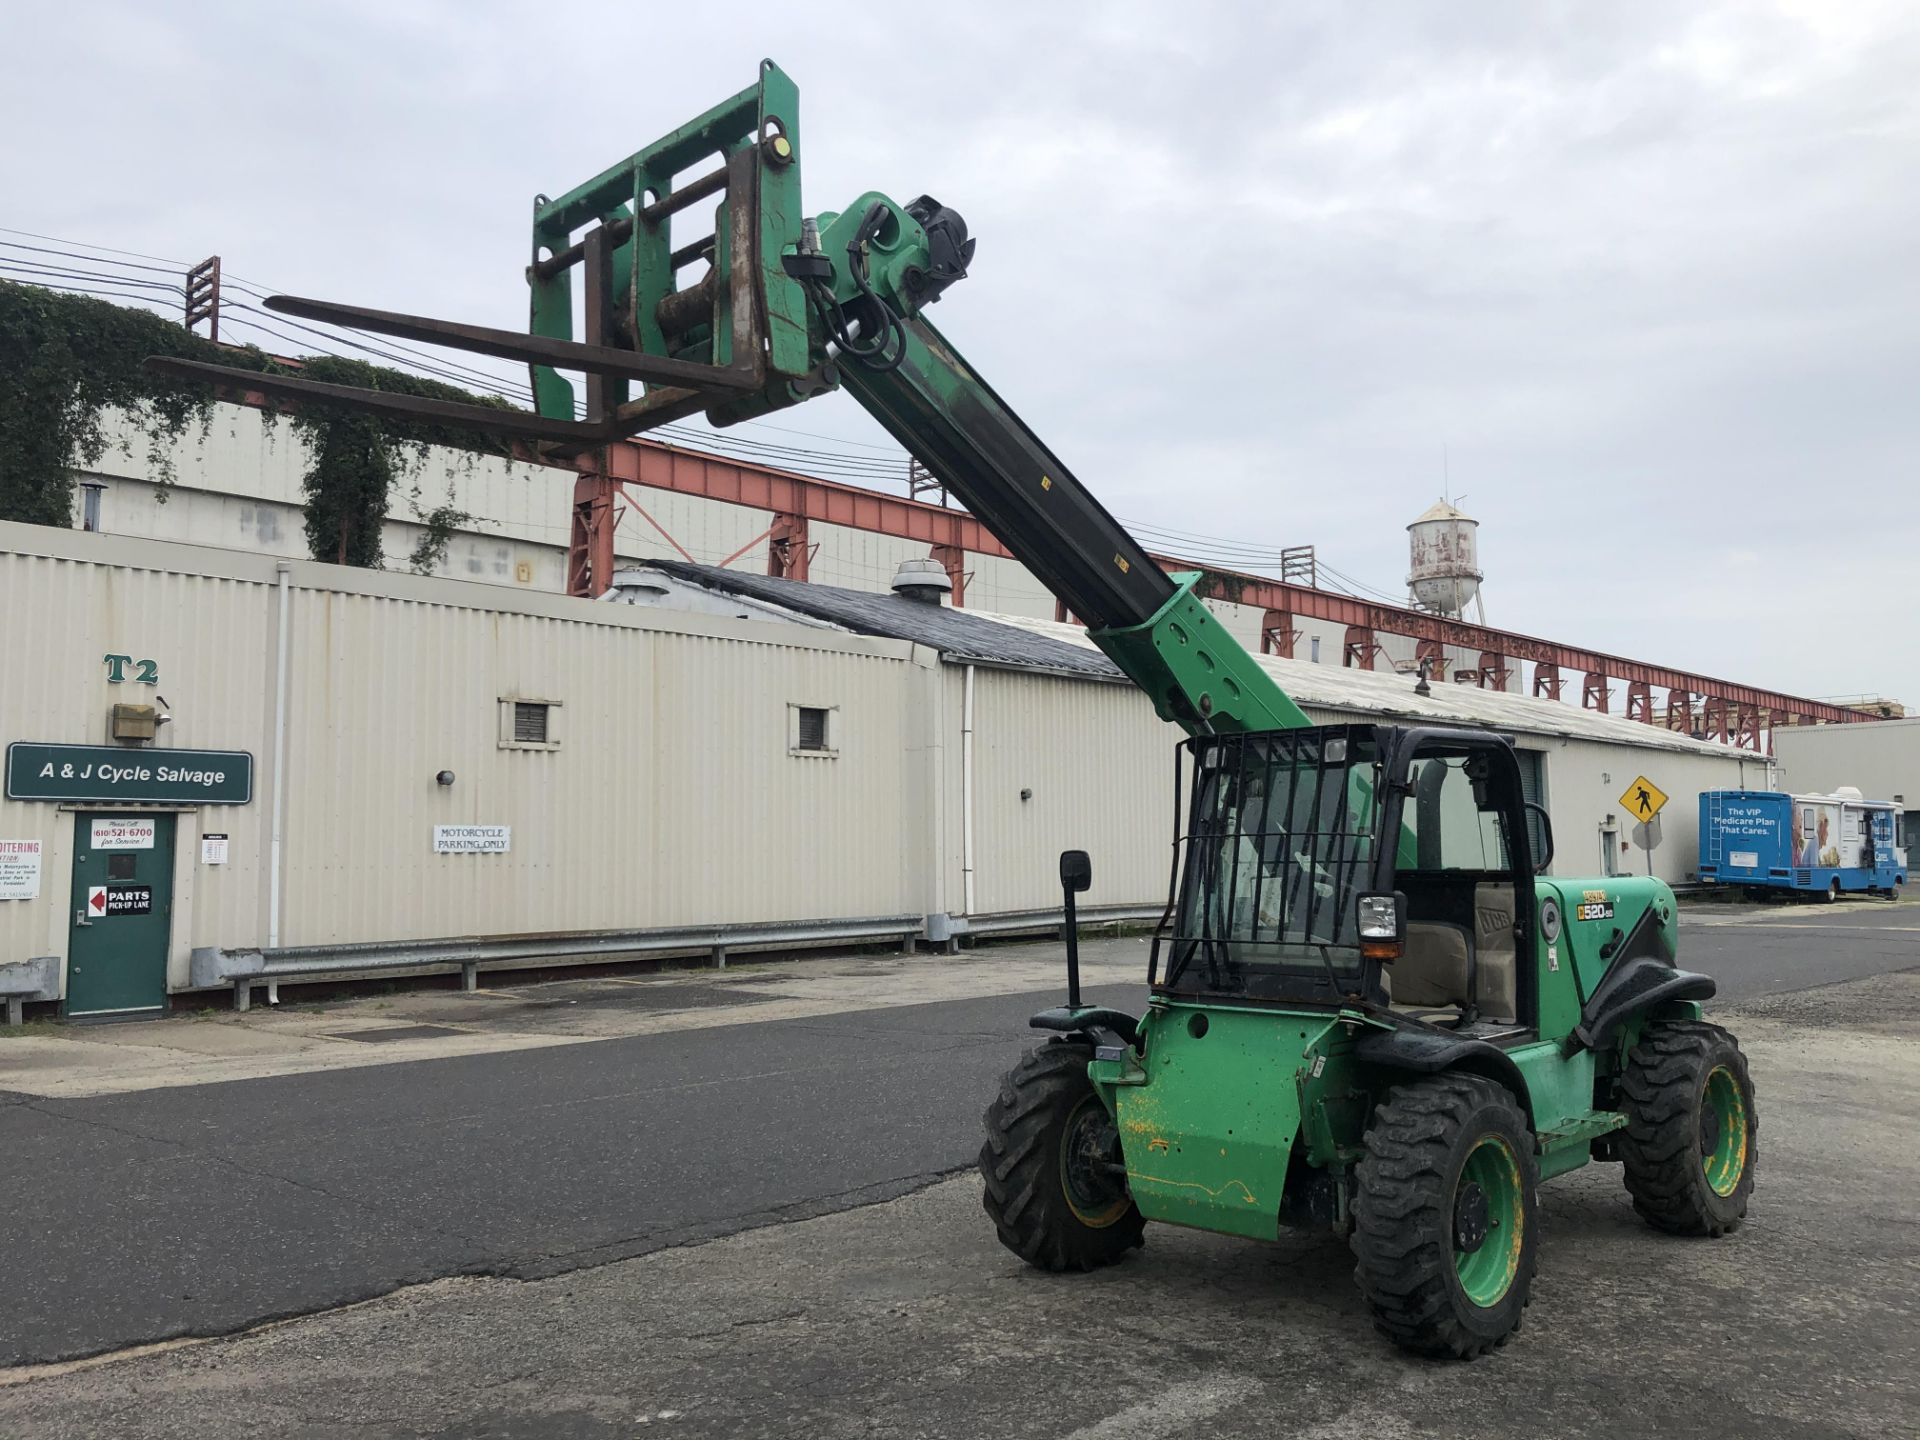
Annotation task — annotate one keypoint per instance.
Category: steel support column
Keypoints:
(1493, 670)
(954, 561)
(1713, 715)
(789, 552)
(1640, 701)
(590, 539)
(1595, 693)
(1359, 649)
(1546, 680)
(1680, 710)
(1277, 633)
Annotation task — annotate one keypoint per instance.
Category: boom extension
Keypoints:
(787, 309)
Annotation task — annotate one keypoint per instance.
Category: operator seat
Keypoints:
(1446, 966)
(1437, 969)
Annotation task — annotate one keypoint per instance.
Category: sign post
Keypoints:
(1644, 800)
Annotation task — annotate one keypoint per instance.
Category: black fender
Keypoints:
(1632, 987)
(1421, 1051)
(1086, 1020)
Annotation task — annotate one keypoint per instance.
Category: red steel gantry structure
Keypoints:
(1742, 715)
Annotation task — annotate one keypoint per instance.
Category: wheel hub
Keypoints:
(1470, 1219)
(1089, 1160)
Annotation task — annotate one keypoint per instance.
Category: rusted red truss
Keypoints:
(1733, 713)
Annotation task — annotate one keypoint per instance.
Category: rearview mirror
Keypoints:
(1544, 858)
(1076, 870)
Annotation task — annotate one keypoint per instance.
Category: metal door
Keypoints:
(121, 910)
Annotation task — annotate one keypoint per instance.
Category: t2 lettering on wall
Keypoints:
(145, 672)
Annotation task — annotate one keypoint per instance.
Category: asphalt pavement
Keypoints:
(906, 1318)
(199, 1210)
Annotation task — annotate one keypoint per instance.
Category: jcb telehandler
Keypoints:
(1370, 1007)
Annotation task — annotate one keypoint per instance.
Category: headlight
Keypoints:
(1379, 918)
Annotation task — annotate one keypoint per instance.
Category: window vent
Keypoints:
(529, 723)
(813, 728)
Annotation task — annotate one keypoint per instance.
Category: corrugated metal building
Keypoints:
(640, 776)
(1881, 761)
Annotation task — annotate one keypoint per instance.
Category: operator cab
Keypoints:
(1359, 866)
(1460, 963)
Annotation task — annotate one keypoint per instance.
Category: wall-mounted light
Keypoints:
(445, 777)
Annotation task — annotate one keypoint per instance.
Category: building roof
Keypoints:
(1023, 642)
(1391, 695)
(960, 635)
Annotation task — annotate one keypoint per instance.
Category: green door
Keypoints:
(122, 904)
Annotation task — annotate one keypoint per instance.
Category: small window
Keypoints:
(90, 493)
(810, 730)
(529, 724)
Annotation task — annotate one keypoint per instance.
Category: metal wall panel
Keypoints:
(211, 636)
(673, 798)
(1099, 765)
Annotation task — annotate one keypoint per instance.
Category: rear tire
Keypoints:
(1446, 1216)
(1049, 1141)
(1693, 1135)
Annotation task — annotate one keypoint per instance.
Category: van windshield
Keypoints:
(1280, 842)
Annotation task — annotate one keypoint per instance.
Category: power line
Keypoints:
(181, 265)
(885, 464)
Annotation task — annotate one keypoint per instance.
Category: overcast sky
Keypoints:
(1647, 275)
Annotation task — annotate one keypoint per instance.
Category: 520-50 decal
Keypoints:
(1593, 905)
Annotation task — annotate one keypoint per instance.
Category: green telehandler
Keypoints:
(1370, 1007)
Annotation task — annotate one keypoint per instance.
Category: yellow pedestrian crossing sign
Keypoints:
(1643, 799)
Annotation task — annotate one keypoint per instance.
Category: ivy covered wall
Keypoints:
(67, 361)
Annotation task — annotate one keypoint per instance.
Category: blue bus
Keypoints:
(1826, 845)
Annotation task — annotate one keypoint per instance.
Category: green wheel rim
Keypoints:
(1490, 1212)
(1089, 1143)
(1723, 1131)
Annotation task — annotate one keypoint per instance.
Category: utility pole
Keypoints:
(203, 296)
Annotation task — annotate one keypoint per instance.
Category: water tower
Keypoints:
(1445, 549)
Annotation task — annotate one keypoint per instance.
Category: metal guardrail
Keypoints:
(24, 980)
(950, 928)
(213, 966)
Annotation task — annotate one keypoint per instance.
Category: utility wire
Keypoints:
(884, 465)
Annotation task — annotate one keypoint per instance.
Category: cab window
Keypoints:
(1447, 827)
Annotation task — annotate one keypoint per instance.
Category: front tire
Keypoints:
(1446, 1216)
(1693, 1135)
(1050, 1187)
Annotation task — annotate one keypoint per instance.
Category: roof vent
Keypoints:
(923, 580)
(639, 585)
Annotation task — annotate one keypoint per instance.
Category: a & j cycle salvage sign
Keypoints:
(130, 777)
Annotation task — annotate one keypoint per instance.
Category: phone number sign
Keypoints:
(138, 777)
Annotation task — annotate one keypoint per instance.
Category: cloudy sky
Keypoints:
(1644, 278)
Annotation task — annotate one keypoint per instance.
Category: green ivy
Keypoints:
(67, 359)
